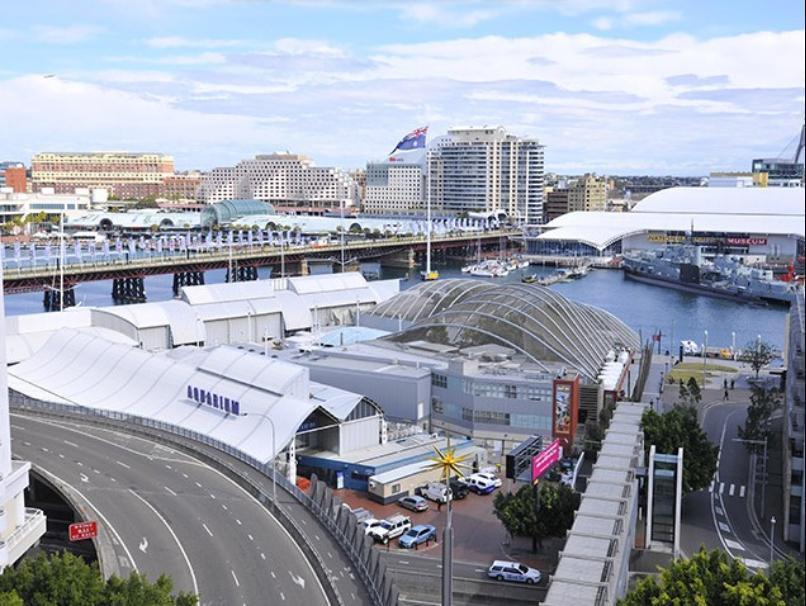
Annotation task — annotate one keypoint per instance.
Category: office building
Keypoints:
(20, 527)
(587, 193)
(282, 179)
(556, 203)
(181, 186)
(487, 170)
(794, 500)
(394, 188)
(18, 206)
(733, 179)
(13, 177)
(125, 175)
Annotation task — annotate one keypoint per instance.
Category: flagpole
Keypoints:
(428, 219)
(61, 261)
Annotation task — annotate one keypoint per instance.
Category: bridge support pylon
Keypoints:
(242, 274)
(187, 278)
(128, 290)
(53, 298)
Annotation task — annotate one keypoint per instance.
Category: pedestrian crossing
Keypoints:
(728, 489)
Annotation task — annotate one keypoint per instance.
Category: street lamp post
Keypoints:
(704, 358)
(772, 539)
(733, 344)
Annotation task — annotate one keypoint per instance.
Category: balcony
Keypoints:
(23, 538)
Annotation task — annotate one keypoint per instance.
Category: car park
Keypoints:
(422, 533)
(501, 570)
(413, 503)
(390, 529)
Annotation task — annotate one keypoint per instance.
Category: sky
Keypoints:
(609, 86)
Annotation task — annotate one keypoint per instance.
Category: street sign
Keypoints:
(545, 459)
(81, 531)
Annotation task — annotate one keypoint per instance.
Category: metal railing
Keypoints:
(370, 569)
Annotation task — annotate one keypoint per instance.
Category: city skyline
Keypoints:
(639, 87)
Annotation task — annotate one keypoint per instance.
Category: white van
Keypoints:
(434, 491)
(690, 348)
(390, 529)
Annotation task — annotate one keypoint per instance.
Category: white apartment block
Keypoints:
(283, 179)
(488, 170)
(394, 188)
(20, 527)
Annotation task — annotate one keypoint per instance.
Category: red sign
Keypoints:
(565, 408)
(81, 531)
(545, 459)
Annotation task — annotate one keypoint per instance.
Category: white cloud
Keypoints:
(446, 16)
(181, 42)
(603, 23)
(67, 34)
(651, 18)
(304, 46)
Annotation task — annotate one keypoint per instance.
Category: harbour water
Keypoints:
(648, 309)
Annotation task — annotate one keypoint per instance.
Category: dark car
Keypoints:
(459, 490)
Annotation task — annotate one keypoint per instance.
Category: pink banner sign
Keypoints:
(545, 459)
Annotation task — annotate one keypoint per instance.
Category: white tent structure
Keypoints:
(240, 401)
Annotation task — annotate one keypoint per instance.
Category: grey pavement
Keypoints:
(168, 512)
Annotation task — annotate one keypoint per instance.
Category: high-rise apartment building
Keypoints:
(284, 179)
(794, 461)
(487, 169)
(587, 193)
(12, 175)
(394, 188)
(20, 527)
(125, 175)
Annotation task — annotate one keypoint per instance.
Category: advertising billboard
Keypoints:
(564, 409)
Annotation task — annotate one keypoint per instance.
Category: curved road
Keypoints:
(166, 511)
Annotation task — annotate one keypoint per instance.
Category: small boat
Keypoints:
(429, 275)
(531, 279)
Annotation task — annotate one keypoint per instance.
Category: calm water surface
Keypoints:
(646, 308)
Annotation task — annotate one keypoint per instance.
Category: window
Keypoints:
(438, 380)
(436, 406)
(395, 488)
(491, 417)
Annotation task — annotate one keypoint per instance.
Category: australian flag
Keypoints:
(414, 140)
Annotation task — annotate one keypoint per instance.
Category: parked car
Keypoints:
(491, 477)
(370, 523)
(459, 489)
(513, 571)
(414, 503)
(418, 535)
(390, 529)
(434, 491)
(479, 485)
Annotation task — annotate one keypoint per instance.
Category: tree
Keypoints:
(66, 580)
(694, 393)
(147, 202)
(758, 353)
(713, 578)
(763, 402)
(679, 427)
(517, 511)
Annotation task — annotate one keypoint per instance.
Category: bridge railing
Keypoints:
(321, 503)
(237, 253)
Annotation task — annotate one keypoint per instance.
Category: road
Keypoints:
(168, 512)
(721, 516)
(419, 579)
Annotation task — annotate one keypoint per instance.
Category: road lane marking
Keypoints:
(297, 580)
(143, 545)
(741, 492)
(721, 487)
(755, 563)
(263, 556)
(724, 527)
(238, 522)
(173, 534)
(169, 490)
(124, 465)
(207, 529)
(732, 490)
(212, 496)
(734, 545)
(711, 487)
(251, 538)
(198, 484)
(274, 576)
(234, 578)
(223, 506)
(83, 478)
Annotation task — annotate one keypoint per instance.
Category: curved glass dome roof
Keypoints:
(533, 320)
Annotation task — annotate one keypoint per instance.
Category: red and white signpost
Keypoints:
(81, 531)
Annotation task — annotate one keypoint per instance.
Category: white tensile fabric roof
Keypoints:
(759, 210)
(725, 201)
(173, 313)
(227, 291)
(87, 370)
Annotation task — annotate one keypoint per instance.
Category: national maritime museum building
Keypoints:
(496, 363)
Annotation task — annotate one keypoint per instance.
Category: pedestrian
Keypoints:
(726, 395)
(732, 382)
(725, 383)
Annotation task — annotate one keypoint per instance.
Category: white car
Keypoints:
(370, 524)
(513, 571)
(435, 491)
(492, 478)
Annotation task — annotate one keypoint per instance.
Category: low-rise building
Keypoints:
(19, 205)
(587, 193)
(13, 176)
